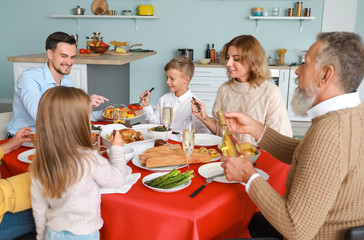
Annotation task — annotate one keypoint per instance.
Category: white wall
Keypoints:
(339, 15)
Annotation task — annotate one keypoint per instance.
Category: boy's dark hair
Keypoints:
(183, 64)
(57, 37)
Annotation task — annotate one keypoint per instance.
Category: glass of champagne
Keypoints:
(188, 138)
(167, 117)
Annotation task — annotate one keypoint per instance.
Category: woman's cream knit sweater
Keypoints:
(264, 103)
(325, 184)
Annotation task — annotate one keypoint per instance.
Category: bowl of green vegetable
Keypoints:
(160, 132)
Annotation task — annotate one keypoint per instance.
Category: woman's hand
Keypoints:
(238, 169)
(146, 99)
(97, 100)
(241, 123)
(197, 112)
(20, 137)
(116, 139)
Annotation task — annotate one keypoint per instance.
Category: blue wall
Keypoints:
(181, 24)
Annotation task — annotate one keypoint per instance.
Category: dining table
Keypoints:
(219, 211)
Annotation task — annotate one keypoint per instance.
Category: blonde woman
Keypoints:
(247, 90)
(66, 172)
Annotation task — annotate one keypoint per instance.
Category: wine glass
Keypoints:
(188, 138)
(167, 116)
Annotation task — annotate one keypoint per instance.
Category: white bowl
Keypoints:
(161, 135)
(139, 146)
(205, 61)
(255, 157)
(129, 153)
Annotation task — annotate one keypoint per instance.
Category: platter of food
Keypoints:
(27, 156)
(130, 114)
(215, 168)
(168, 185)
(201, 139)
(136, 161)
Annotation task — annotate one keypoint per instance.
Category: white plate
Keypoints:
(216, 158)
(212, 169)
(136, 162)
(23, 157)
(138, 113)
(175, 189)
(28, 144)
(203, 140)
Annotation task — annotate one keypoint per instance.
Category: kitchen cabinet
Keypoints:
(301, 19)
(78, 17)
(205, 83)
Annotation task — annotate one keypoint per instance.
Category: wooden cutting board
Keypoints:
(112, 52)
(99, 7)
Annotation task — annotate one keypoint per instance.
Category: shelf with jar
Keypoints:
(258, 18)
(135, 17)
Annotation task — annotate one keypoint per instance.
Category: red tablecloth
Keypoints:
(220, 211)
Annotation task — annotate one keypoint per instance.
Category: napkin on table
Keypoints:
(130, 180)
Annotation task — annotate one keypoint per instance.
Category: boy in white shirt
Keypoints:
(179, 72)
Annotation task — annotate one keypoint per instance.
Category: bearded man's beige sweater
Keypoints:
(264, 103)
(325, 184)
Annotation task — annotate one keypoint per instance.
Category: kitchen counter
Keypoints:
(107, 75)
(103, 59)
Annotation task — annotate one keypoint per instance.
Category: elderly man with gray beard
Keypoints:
(325, 187)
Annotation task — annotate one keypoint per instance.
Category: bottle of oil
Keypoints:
(207, 55)
(212, 53)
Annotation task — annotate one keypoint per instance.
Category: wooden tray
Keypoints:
(112, 52)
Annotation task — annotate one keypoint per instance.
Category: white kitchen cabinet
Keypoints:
(205, 83)
(280, 77)
(78, 74)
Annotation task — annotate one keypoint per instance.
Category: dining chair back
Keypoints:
(5, 117)
(355, 233)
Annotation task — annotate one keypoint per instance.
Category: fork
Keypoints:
(208, 180)
(145, 95)
(199, 108)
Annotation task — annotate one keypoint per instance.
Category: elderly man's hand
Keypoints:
(242, 123)
(238, 169)
(97, 100)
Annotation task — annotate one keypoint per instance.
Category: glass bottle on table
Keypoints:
(229, 143)
(188, 138)
(208, 53)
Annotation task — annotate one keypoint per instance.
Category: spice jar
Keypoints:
(299, 9)
(290, 12)
(307, 12)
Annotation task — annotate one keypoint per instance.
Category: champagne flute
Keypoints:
(167, 117)
(188, 138)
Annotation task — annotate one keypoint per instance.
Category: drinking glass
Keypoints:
(167, 116)
(119, 114)
(95, 139)
(188, 138)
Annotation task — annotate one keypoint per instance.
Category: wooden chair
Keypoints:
(5, 117)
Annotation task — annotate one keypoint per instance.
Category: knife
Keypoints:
(208, 180)
(146, 95)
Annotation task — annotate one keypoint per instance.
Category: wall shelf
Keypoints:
(301, 19)
(78, 17)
